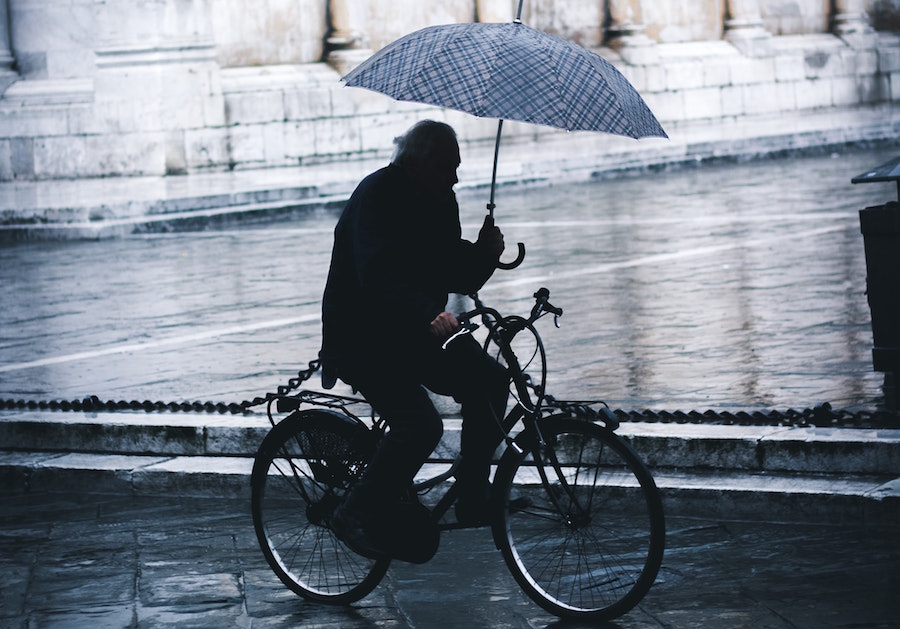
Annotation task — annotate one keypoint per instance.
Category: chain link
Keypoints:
(93, 403)
(821, 415)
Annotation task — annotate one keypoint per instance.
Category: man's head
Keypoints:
(429, 153)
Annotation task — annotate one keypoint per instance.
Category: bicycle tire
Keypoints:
(591, 553)
(303, 468)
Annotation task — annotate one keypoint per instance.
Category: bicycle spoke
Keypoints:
(315, 456)
(574, 549)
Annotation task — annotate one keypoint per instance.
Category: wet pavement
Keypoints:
(733, 286)
(116, 562)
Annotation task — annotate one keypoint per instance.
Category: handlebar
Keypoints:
(541, 307)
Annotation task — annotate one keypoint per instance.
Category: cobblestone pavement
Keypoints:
(725, 286)
(113, 562)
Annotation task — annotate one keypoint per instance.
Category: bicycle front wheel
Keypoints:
(303, 469)
(579, 521)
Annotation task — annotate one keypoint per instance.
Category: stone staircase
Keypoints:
(767, 472)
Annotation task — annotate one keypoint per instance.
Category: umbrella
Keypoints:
(508, 71)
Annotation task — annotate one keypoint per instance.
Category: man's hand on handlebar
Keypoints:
(443, 326)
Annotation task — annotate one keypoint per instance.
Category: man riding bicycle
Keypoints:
(398, 253)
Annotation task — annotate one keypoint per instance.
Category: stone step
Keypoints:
(711, 493)
(730, 471)
(670, 445)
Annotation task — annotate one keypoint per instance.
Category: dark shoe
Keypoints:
(357, 533)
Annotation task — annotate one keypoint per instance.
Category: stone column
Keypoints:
(494, 11)
(851, 23)
(7, 74)
(52, 40)
(158, 85)
(744, 28)
(626, 33)
(348, 44)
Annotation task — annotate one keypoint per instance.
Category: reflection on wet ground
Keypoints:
(725, 286)
(95, 561)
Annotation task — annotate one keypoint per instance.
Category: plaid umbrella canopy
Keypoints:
(508, 71)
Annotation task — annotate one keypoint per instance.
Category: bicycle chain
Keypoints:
(820, 415)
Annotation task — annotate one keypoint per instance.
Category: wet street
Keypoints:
(99, 562)
(724, 286)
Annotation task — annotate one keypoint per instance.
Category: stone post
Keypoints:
(744, 28)
(7, 74)
(626, 33)
(851, 24)
(347, 44)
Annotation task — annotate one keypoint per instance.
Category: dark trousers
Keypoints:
(474, 379)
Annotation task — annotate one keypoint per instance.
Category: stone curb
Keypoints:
(734, 471)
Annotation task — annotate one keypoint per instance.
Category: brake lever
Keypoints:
(466, 329)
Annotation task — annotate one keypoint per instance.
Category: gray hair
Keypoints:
(420, 141)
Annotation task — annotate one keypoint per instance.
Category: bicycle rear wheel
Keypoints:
(302, 471)
(580, 522)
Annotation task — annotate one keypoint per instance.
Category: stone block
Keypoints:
(307, 104)
(377, 133)
(247, 108)
(747, 70)
(206, 148)
(29, 122)
(815, 93)
(716, 73)
(733, 100)
(874, 89)
(889, 59)
(789, 68)
(352, 101)
(703, 103)
(865, 62)
(299, 140)
(786, 95)
(58, 157)
(822, 64)
(337, 136)
(274, 143)
(213, 107)
(126, 154)
(845, 90)
(761, 98)
(22, 157)
(668, 106)
(6, 169)
(176, 159)
(683, 74)
(247, 144)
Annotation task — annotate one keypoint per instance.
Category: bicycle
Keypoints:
(575, 514)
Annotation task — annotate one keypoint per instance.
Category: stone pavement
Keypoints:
(96, 562)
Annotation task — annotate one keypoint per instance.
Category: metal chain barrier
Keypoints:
(822, 415)
(93, 403)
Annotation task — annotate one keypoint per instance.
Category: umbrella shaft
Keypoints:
(491, 205)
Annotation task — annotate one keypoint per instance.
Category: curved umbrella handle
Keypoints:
(506, 266)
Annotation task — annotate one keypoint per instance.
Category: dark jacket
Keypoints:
(397, 254)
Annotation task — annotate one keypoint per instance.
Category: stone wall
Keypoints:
(159, 87)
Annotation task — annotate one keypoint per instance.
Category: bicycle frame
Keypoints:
(532, 400)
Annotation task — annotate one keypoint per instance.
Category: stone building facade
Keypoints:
(95, 88)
